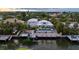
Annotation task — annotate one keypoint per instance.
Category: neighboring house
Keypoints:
(73, 25)
(32, 22)
(55, 14)
(13, 20)
(78, 26)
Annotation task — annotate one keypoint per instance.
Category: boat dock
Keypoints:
(69, 37)
(40, 36)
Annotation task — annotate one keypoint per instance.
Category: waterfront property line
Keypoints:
(39, 38)
(67, 37)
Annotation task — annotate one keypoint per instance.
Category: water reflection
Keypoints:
(58, 44)
(63, 44)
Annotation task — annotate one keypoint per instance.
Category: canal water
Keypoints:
(55, 45)
(58, 44)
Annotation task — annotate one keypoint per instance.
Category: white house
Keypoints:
(71, 25)
(32, 22)
(78, 26)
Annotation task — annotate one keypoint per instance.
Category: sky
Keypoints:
(51, 9)
(42, 9)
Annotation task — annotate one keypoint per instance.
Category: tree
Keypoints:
(54, 21)
(21, 16)
(7, 30)
(59, 27)
(21, 26)
(65, 31)
(18, 17)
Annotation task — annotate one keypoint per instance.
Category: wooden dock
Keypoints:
(40, 37)
(67, 37)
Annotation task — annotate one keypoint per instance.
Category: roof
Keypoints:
(72, 24)
(12, 20)
(33, 19)
(32, 22)
(24, 34)
(44, 23)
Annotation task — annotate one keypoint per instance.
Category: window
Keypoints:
(44, 22)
